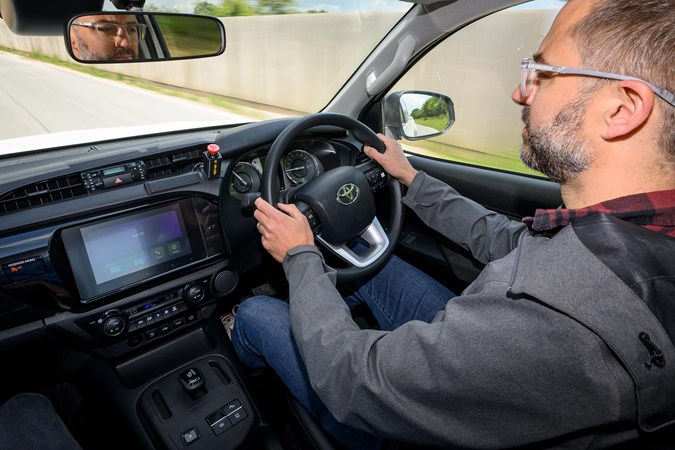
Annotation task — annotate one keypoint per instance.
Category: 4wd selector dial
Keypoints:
(113, 323)
(195, 293)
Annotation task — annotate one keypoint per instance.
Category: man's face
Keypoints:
(554, 113)
(92, 45)
(557, 149)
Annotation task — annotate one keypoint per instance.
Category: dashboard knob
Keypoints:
(225, 282)
(195, 293)
(113, 324)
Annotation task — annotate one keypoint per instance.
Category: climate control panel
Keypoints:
(152, 318)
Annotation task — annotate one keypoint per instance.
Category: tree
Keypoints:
(237, 8)
(434, 107)
(276, 6)
(226, 8)
(207, 9)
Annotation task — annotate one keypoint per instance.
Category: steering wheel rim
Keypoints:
(270, 193)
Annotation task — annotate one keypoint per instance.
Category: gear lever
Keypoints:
(192, 382)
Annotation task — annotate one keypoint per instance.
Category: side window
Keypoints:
(478, 67)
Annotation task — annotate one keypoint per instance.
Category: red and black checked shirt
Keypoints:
(653, 210)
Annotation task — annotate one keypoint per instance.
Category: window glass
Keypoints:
(478, 67)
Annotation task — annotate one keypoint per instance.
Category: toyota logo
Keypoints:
(347, 194)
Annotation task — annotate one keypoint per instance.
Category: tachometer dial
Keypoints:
(301, 166)
(245, 178)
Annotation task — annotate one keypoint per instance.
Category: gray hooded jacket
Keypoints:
(542, 348)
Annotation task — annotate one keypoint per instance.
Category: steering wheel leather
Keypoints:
(341, 199)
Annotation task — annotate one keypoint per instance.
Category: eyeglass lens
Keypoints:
(133, 30)
(527, 79)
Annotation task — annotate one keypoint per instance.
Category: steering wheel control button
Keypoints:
(312, 219)
(377, 178)
(190, 436)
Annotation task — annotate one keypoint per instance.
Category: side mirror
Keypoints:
(415, 115)
(115, 37)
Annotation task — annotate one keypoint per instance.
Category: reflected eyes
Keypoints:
(113, 29)
(134, 31)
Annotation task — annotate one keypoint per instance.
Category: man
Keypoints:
(566, 337)
(112, 37)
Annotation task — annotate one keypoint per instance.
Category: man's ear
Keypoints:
(73, 44)
(632, 103)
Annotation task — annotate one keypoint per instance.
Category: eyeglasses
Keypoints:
(529, 69)
(110, 30)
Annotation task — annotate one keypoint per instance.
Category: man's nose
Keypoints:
(122, 39)
(518, 98)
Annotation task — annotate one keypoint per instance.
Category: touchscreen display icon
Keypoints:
(158, 253)
(174, 247)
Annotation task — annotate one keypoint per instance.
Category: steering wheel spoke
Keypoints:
(373, 243)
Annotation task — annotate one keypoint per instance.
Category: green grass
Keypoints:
(437, 123)
(495, 160)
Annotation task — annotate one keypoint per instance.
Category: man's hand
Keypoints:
(393, 160)
(281, 229)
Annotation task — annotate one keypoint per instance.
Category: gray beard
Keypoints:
(557, 150)
(87, 54)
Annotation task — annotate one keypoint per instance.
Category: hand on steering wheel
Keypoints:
(281, 229)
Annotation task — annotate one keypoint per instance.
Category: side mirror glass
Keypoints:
(415, 115)
(115, 37)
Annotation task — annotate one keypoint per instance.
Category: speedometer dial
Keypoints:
(300, 166)
(245, 178)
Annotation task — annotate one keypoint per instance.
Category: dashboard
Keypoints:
(121, 244)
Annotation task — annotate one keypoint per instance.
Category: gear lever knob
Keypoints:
(192, 382)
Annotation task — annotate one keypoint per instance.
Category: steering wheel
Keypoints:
(340, 204)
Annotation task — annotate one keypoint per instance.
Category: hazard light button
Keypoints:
(117, 180)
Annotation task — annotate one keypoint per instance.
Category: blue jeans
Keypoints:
(262, 334)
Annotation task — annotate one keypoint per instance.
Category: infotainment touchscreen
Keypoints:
(111, 254)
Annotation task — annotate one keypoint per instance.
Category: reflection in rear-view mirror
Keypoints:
(113, 37)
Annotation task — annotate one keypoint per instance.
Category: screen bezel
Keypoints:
(83, 274)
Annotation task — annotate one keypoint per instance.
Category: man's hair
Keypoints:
(635, 38)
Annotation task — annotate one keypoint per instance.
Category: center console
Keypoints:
(199, 406)
(131, 300)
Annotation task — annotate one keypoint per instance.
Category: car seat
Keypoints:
(29, 420)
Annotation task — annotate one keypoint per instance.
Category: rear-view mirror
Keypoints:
(416, 115)
(114, 37)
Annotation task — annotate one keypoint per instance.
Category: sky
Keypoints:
(302, 5)
(330, 5)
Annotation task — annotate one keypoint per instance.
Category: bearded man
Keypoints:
(565, 339)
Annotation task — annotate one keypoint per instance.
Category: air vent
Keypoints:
(42, 193)
(62, 188)
(174, 163)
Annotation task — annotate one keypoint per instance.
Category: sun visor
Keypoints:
(43, 18)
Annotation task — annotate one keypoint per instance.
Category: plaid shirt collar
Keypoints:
(653, 210)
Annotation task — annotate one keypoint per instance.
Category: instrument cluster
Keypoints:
(298, 166)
